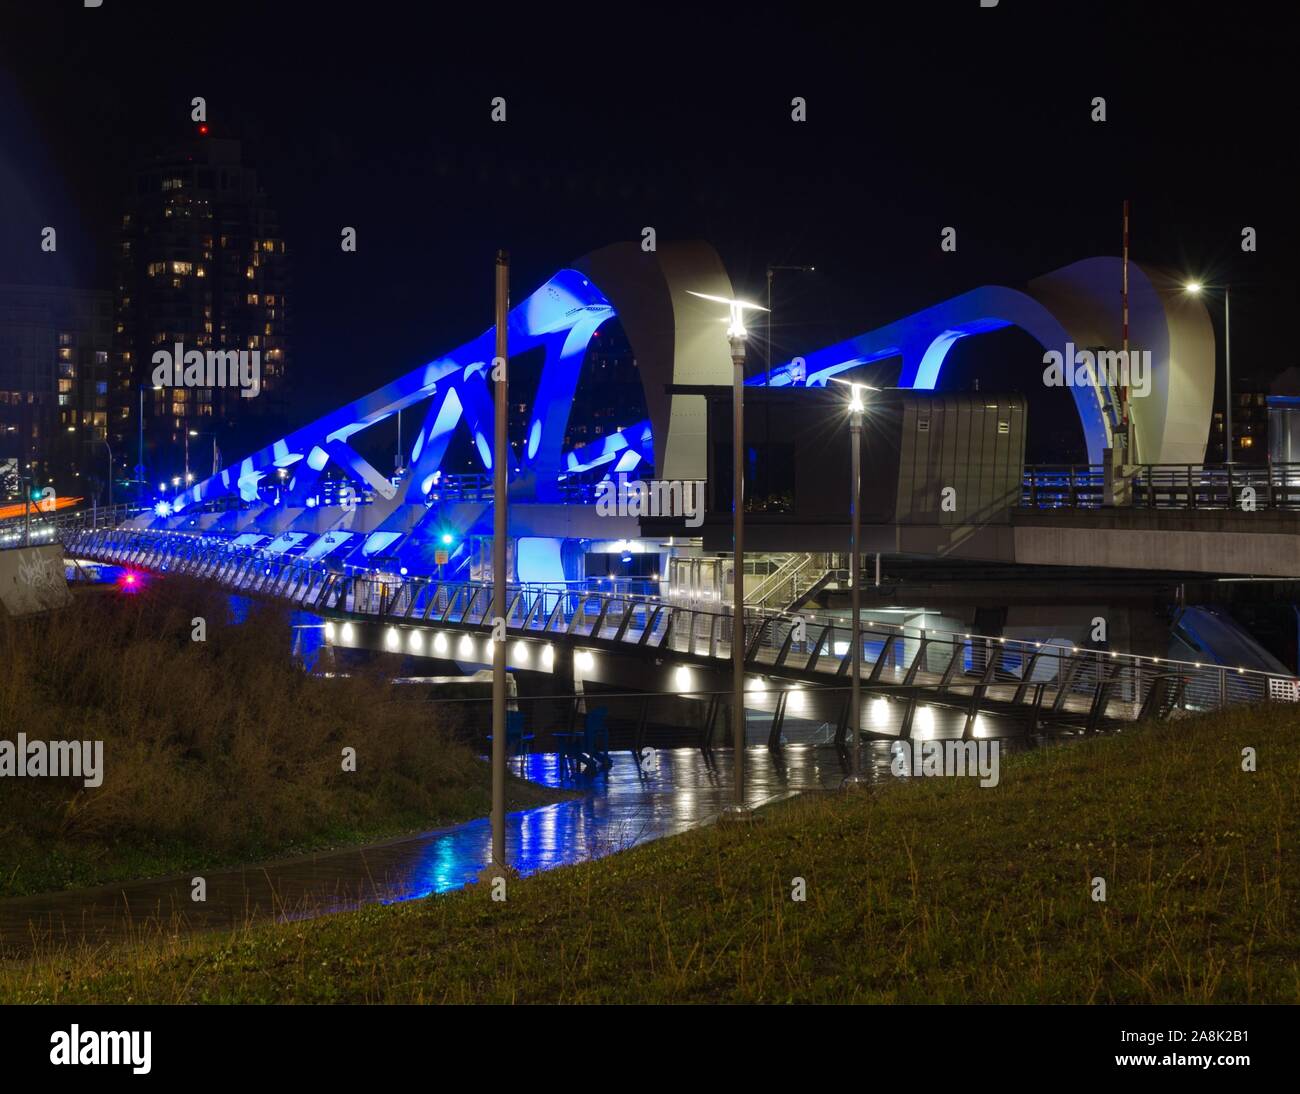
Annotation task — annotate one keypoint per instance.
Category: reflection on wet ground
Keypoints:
(620, 808)
(669, 792)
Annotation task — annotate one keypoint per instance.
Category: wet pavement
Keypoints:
(620, 808)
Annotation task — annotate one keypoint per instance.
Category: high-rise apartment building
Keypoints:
(202, 265)
(54, 377)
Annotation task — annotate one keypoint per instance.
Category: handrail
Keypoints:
(777, 578)
(591, 613)
(1272, 486)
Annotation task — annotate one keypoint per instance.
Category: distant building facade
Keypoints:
(202, 266)
(54, 389)
(1249, 429)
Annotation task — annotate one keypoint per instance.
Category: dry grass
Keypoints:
(214, 752)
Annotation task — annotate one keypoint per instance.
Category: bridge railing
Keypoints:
(47, 527)
(1166, 486)
(1091, 686)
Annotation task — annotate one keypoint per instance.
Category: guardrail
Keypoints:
(45, 527)
(1166, 486)
(1091, 687)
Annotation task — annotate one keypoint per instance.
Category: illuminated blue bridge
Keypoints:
(314, 495)
(403, 559)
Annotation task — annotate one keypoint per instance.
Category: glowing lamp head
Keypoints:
(1193, 287)
(735, 312)
(446, 539)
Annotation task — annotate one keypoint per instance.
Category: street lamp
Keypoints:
(856, 408)
(110, 472)
(1195, 288)
(500, 530)
(200, 433)
(771, 272)
(139, 467)
(736, 335)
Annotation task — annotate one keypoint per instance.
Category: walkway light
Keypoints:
(440, 643)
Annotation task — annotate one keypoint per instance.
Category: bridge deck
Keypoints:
(1083, 688)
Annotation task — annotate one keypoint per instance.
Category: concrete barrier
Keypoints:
(33, 579)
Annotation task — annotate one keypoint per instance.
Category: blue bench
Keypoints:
(516, 739)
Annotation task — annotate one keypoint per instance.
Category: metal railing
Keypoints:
(1166, 486)
(1092, 687)
(46, 527)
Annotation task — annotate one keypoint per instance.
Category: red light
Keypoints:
(203, 130)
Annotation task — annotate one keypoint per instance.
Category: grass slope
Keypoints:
(931, 891)
(216, 752)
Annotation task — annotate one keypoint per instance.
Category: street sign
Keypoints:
(441, 557)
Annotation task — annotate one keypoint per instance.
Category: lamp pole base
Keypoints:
(738, 814)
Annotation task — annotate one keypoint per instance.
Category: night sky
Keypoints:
(921, 115)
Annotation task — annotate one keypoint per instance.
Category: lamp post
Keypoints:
(110, 472)
(855, 579)
(771, 272)
(139, 467)
(856, 408)
(199, 433)
(1196, 288)
(736, 335)
(500, 528)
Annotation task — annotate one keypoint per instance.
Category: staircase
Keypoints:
(797, 580)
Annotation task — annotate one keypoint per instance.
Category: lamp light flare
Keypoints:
(736, 310)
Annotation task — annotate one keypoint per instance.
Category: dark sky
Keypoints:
(921, 115)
